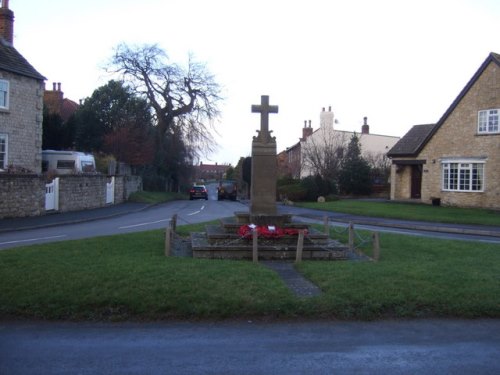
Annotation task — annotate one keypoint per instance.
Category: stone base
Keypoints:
(223, 242)
(277, 220)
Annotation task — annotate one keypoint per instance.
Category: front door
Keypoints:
(416, 181)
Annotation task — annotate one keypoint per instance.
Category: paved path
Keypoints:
(296, 282)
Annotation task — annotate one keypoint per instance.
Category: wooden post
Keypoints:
(376, 246)
(327, 227)
(168, 241)
(300, 246)
(351, 236)
(255, 252)
(174, 223)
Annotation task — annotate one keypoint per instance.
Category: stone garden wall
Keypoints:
(21, 195)
(24, 195)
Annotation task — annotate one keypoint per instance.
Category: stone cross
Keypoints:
(264, 109)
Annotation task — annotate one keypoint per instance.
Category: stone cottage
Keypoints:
(456, 161)
(21, 104)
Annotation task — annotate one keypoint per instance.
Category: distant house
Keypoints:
(21, 103)
(55, 102)
(326, 138)
(210, 171)
(456, 161)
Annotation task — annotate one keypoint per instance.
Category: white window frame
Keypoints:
(488, 121)
(4, 99)
(464, 175)
(4, 140)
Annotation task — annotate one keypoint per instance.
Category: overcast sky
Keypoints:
(400, 63)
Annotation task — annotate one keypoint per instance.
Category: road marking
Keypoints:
(143, 224)
(31, 240)
(197, 212)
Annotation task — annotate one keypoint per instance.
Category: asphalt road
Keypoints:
(196, 211)
(387, 347)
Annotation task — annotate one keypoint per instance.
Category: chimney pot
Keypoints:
(365, 119)
(53, 86)
(309, 123)
(329, 108)
(305, 123)
(58, 86)
(323, 109)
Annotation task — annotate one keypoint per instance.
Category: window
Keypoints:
(488, 121)
(3, 151)
(463, 176)
(65, 164)
(4, 94)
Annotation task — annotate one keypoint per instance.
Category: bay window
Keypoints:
(465, 175)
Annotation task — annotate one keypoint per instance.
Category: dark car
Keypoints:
(198, 192)
(228, 189)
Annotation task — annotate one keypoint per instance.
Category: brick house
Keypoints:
(455, 161)
(210, 171)
(21, 103)
(55, 102)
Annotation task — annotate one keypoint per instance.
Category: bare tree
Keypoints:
(380, 165)
(322, 153)
(184, 99)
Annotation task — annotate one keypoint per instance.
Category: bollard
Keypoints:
(376, 246)
(327, 227)
(300, 246)
(351, 236)
(168, 241)
(255, 253)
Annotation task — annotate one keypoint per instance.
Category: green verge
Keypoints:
(409, 211)
(155, 197)
(127, 277)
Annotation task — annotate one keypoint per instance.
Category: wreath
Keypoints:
(267, 231)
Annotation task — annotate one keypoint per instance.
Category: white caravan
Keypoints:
(67, 162)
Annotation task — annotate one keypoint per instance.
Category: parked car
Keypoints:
(228, 189)
(198, 192)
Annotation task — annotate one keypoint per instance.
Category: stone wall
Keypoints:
(22, 122)
(21, 195)
(24, 195)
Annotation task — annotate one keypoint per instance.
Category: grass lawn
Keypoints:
(127, 277)
(409, 211)
(155, 196)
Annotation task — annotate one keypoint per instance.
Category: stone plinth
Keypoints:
(263, 191)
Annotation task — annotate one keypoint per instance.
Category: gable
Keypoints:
(416, 139)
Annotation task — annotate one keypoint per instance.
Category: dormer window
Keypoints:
(4, 94)
(488, 121)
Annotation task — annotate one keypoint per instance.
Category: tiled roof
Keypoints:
(412, 142)
(12, 61)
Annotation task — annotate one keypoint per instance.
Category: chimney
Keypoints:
(326, 118)
(6, 23)
(306, 131)
(365, 129)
